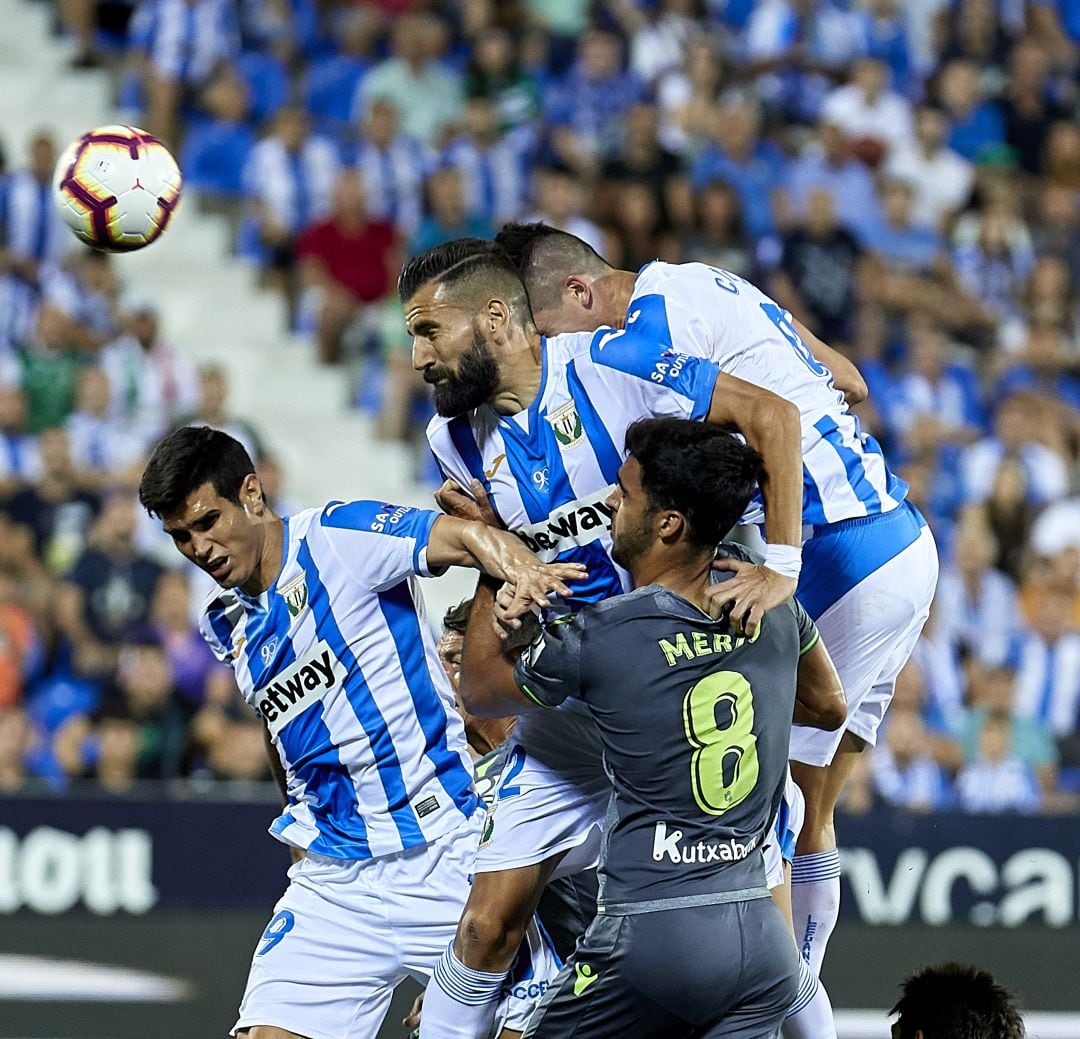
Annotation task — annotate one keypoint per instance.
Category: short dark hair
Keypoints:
(953, 1001)
(475, 268)
(544, 256)
(456, 619)
(700, 470)
(186, 459)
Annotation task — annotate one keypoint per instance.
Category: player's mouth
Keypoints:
(218, 568)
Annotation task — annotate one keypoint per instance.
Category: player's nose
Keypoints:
(422, 354)
(612, 500)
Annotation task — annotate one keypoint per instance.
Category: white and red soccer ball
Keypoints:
(117, 187)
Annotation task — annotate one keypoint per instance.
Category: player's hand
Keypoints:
(531, 588)
(473, 504)
(753, 591)
(412, 1018)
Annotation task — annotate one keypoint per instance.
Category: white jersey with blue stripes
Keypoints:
(337, 659)
(708, 312)
(549, 469)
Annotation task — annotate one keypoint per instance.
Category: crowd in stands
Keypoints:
(903, 177)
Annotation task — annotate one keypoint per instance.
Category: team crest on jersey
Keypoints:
(295, 595)
(566, 425)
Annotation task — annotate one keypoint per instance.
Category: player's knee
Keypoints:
(489, 935)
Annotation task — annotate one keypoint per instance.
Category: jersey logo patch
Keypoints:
(295, 595)
(584, 975)
(489, 473)
(566, 425)
(579, 522)
(427, 806)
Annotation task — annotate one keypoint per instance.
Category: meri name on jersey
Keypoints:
(577, 523)
(288, 694)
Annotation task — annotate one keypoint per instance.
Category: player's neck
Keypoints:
(686, 576)
(612, 293)
(269, 567)
(522, 370)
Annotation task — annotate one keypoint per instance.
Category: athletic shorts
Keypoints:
(868, 584)
(779, 846)
(346, 933)
(552, 796)
(720, 971)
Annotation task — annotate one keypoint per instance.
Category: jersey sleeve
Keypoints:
(649, 375)
(549, 670)
(808, 633)
(379, 544)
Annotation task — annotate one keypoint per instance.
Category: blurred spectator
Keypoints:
(937, 401)
(642, 158)
(349, 261)
(494, 169)
(737, 154)
(875, 119)
(108, 592)
(940, 178)
(833, 170)
(448, 213)
(642, 232)
(819, 266)
(1062, 158)
(686, 98)
(17, 739)
(973, 30)
(797, 48)
(20, 648)
(1047, 661)
(100, 445)
(993, 259)
(151, 384)
(226, 740)
(1028, 106)
(717, 235)
(78, 303)
(992, 695)
(175, 46)
(886, 35)
(495, 74)
(587, 106)
(426, 94)
(84, 19)
(1014, 439)
(996, 781)
(658, 33)
(1058, 230)
(218, 146)
(289, 182)
(976, 605)
(137, 732)
(32, 233)
(20, 462)
(213, 410)
(189, 656)
(560, 202)
(331, 81)
(392, 167)
(905, 775)
(57, 508)
(977, 126)
(902, 243)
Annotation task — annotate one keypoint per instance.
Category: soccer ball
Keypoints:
(117, 188)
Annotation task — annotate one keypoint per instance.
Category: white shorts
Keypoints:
(535, 967)
(871, 629)
(779, 846)
(346, 933)
(552, 797)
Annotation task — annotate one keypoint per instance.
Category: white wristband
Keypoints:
(784, 559)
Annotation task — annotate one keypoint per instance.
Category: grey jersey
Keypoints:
(695, 724)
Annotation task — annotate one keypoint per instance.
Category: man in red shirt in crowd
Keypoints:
(352, 262)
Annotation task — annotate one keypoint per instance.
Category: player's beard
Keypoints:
(630, 543)
(474, 383)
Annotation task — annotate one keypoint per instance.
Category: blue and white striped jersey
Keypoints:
(496, 180)
(296, 187)
(337, 659)
(30, 224)
(185, 41)
(549, 469)
(394, 180)
(708, 312)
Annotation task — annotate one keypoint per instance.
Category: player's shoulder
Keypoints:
(219, 615)
(564, 347)
(618, 608)
(365, 515)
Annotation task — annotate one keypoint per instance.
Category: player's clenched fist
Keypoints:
(473, 504)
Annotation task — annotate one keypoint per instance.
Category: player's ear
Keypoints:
(496, 316)
(578, 289)
(252, 497)
(672, 525)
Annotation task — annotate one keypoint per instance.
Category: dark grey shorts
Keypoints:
(725, 971)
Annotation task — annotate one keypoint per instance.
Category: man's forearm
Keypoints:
(276, 769)
(495, 552)
(487, 687)
(776, 435)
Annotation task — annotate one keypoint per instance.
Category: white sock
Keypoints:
(815, 903)
(460, 1002)
(810, 1016)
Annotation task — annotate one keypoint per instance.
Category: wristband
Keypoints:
(784, 559)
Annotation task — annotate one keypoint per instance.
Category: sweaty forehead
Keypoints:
(197, 504)
(431, 304)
